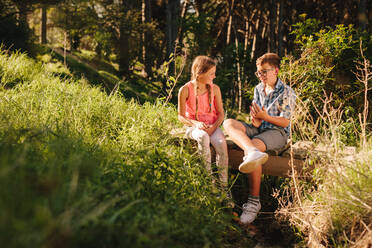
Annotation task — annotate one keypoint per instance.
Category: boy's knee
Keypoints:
(228, 123)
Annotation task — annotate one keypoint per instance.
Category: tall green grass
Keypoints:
(79, 168)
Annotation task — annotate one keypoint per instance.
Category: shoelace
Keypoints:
(253, 203)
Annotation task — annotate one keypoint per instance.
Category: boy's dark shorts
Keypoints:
(274, 139)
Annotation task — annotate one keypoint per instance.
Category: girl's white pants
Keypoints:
(218, 141)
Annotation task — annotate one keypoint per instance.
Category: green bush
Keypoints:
(323, 72)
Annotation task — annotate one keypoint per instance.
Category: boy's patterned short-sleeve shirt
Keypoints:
(280, 102)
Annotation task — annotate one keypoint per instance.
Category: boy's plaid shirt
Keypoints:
(280, 102)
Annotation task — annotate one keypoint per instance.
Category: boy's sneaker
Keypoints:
(250, 211)
(252, 161)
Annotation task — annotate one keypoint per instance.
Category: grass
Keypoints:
(80, 168)
(334, 208)
(84, 66)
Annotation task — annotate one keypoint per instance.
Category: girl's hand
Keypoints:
(210, 130)
(201, 125)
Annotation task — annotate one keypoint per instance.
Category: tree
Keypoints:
(43, 28)
(44, 5)
(146, 19)
(173, 16)
(76, 18)
(14, 31)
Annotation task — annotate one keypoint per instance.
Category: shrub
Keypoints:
(324, 69)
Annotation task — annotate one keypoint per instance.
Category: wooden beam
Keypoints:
(278, 164)
(275, 166)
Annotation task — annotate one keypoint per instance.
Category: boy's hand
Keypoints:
(257, 112)
(256, 122)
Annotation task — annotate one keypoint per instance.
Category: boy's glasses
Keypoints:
(263, 72)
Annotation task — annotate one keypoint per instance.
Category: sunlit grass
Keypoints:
(84, 169)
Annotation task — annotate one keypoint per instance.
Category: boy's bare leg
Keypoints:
(237, 132)
(255, 181)
(255, 176)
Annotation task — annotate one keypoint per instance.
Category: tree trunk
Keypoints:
(254, 42)
(198, 6)
(43, 29)
(123, 51)
(146, 18)
(180, 30)
(123, 40)
(246, 40)
(271, 33)
(246, 36)
(231, 7)
(280, 28)
(143, 38)
(64, 48)
(362, 15)
(172, 10)
(23, 11)
(239, 73)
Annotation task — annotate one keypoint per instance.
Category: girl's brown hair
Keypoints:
(201, 65)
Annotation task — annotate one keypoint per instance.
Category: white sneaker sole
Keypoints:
(248, 167)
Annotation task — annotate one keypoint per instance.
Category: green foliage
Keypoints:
(304, 29)
(196, 36)
(102, 43)
(84, 169)
(321, 52)
(227, 78)
(324, 70)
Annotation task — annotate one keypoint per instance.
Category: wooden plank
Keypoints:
(278, 164)
(275, 165)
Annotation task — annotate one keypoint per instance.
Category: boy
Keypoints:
(271, 109)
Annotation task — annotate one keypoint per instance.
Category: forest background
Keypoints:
(143, 50)
(155, 41)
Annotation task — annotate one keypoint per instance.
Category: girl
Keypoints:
(200, 108)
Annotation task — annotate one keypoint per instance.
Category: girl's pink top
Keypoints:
(204, 115)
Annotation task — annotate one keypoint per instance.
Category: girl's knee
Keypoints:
(203, 138)
(218, 141)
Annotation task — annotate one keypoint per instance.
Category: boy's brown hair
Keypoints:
(270, 58)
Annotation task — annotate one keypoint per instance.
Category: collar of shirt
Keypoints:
(278, 86)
